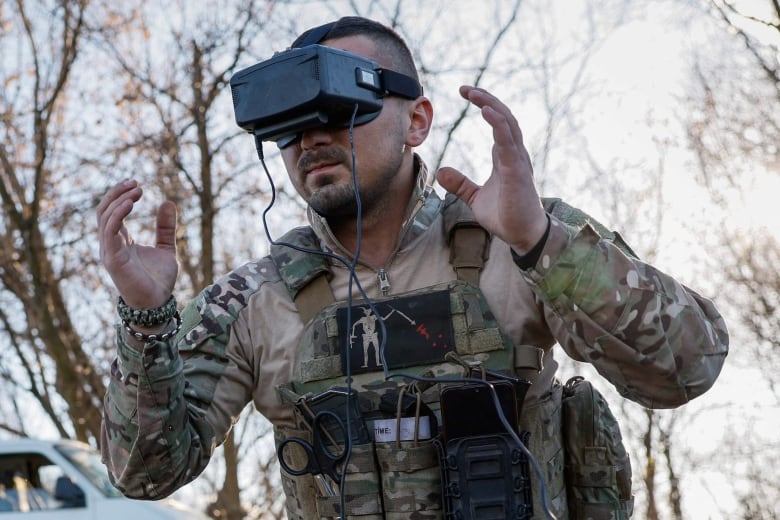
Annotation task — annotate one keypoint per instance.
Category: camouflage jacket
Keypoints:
(171, 403)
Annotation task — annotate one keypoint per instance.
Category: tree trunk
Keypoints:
(649, 477)
(228, 503)
(675, 493)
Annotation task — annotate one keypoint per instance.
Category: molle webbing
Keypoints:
(306, 274)
(391, 480)
(476, 333)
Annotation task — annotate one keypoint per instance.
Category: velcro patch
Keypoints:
(419, 331)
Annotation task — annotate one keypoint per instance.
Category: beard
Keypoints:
(338, 200)
(335, 197)
(334, 200)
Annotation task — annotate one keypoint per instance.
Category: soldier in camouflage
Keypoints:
(547, 275)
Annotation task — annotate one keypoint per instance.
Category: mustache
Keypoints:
(326, 155)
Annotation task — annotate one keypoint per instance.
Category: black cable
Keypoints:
(353, 278)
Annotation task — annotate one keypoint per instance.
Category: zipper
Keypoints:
(384, 282)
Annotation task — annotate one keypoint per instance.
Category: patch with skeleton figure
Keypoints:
(417, 331)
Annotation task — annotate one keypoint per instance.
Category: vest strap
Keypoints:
(468, 251)
(468, 241)
(313, 297)
(528, 361)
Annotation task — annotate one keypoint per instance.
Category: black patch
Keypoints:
(419, 332)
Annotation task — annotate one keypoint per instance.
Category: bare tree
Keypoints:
(43, 352)
(734, 129)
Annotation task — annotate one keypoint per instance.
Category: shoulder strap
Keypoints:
(468, 241)
(305, 274)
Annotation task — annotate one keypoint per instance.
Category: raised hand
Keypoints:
(143, 275)
(508, 204)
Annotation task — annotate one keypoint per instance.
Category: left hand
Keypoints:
(507, 205)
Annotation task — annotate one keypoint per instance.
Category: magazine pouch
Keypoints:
(485, 478)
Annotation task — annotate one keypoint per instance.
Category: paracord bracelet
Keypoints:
(151, 338)
(147, 317)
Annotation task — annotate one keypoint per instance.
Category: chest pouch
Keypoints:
(395, 353)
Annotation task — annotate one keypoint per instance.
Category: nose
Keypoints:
(316, 137)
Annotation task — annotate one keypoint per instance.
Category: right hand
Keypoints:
(507, 204)
(143, 275)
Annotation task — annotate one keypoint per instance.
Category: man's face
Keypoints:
(320, 162)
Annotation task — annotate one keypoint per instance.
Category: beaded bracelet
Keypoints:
(147, 317)
(151, 338)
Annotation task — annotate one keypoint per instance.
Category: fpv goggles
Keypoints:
(312, 86)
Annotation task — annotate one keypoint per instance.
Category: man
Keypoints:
(546, 277)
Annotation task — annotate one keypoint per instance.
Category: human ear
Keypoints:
(420, 121)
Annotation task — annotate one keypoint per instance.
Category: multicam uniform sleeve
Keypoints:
(161, 422)
(658, 342)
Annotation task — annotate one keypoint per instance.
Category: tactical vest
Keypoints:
(401, 478)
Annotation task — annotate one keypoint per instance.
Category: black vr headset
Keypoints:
(312, 86)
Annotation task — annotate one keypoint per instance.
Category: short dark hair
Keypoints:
(391, 47)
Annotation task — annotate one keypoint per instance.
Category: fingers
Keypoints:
(117, 200)
(458, 184)
(116, 205)
(506, 129)
(509, 149)
(166, 226)
(113, 208)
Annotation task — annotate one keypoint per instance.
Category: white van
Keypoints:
(65, 480)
